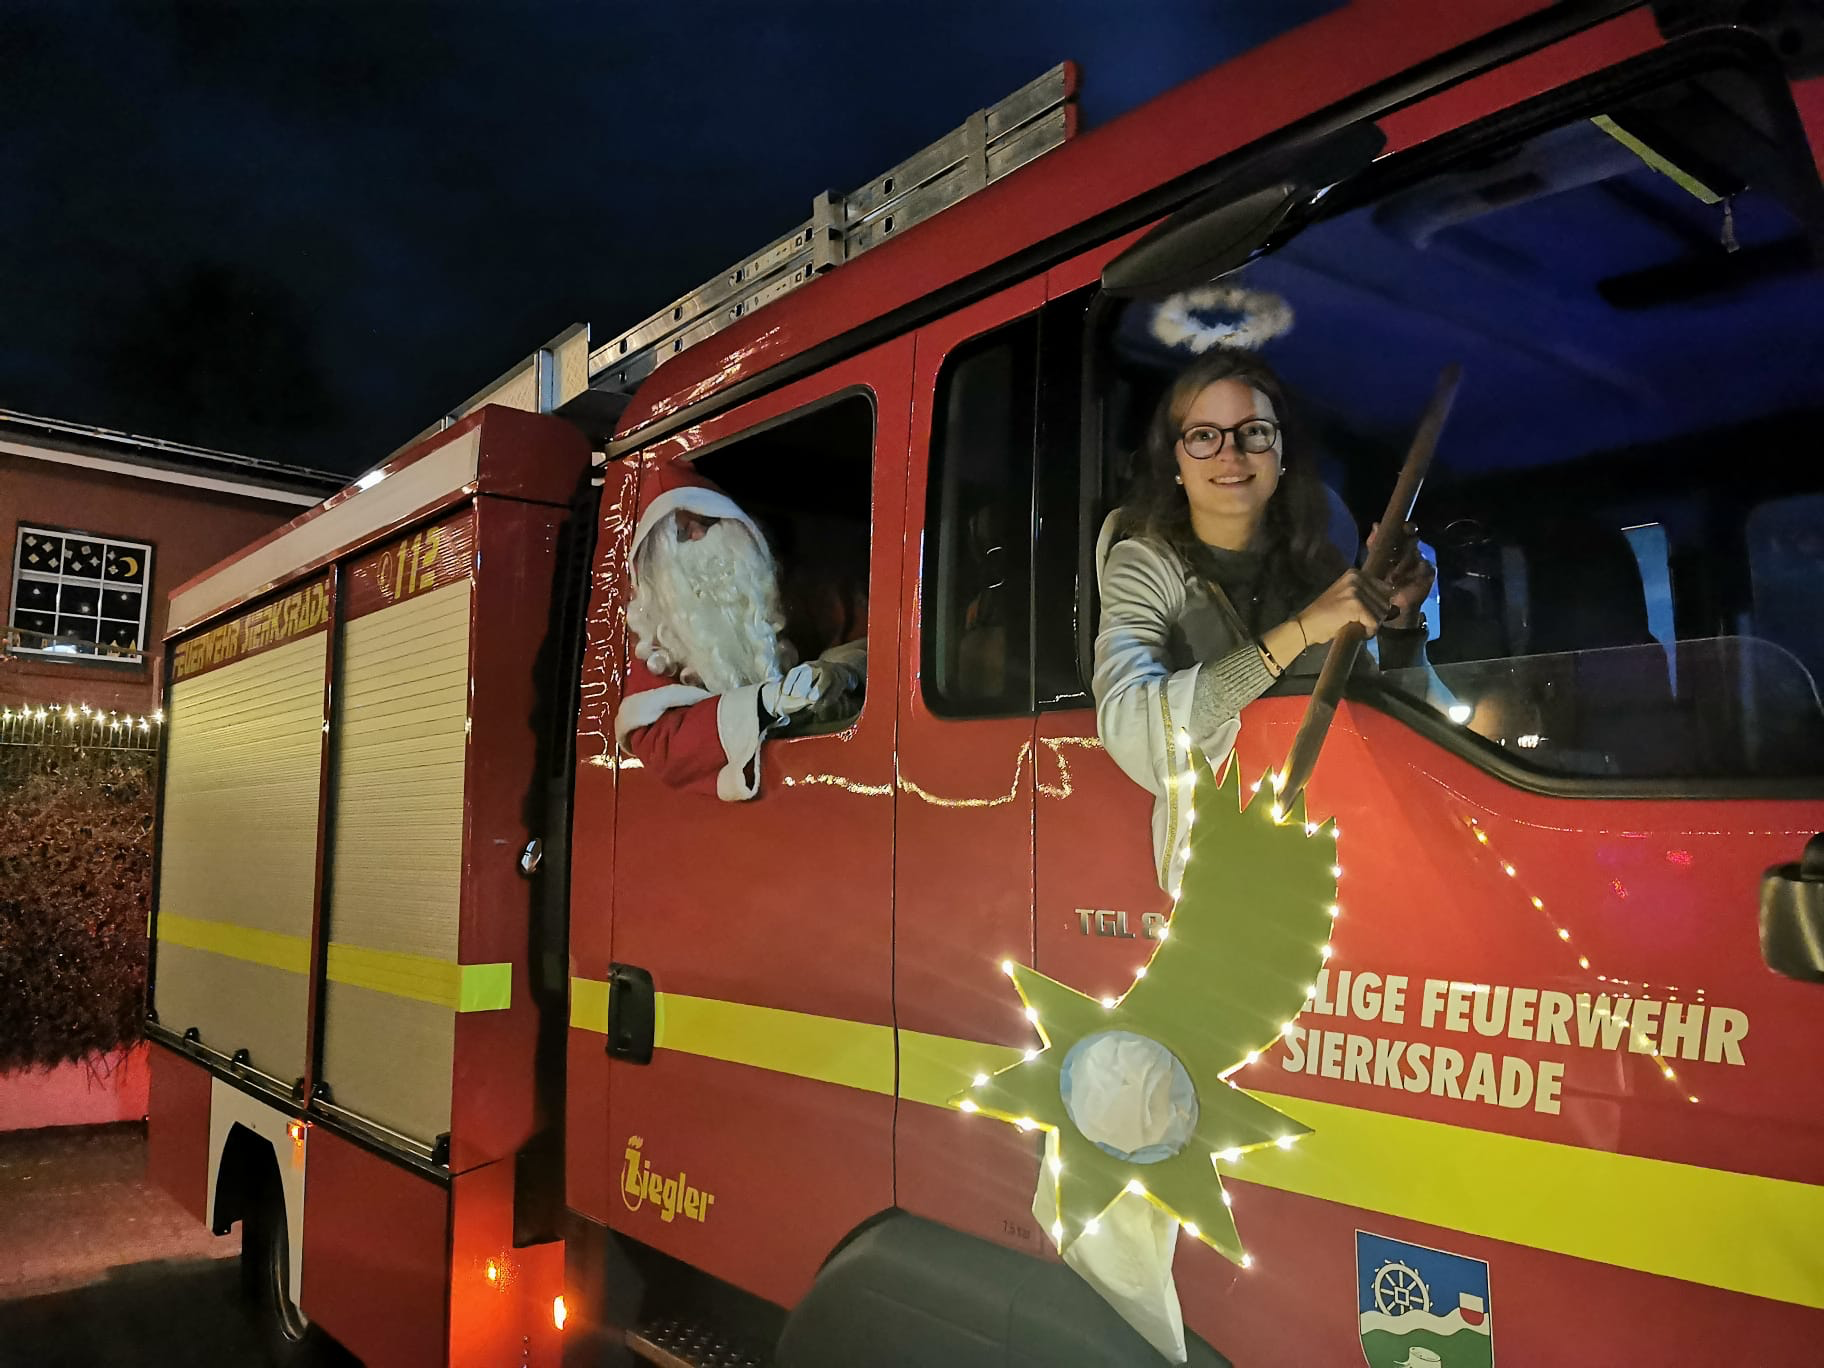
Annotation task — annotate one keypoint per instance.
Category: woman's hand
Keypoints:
(1353, 598)
(1410, 580)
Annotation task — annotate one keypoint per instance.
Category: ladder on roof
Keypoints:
(566, 373)
(992, 142)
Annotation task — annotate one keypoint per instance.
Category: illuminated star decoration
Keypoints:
(1230, 975)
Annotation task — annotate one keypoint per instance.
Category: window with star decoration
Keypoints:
(78, 595)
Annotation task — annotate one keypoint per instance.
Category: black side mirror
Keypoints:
(1792, 915)
(1246, 210)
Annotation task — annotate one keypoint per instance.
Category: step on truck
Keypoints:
(500, 1049)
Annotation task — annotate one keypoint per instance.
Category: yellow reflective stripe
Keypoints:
(460, 987)
(1736, 1231)
(853, 1054)
(272, 948)
(1731, 1230)
(589, 1005)
(933, 1068)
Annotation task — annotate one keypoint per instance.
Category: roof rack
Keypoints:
(992, 142)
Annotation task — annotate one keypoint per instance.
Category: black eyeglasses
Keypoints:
(1256, 436)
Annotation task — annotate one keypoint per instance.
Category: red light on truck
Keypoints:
(559, 1313)
(295, 1130)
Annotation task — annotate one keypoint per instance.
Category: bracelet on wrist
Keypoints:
(1273, 666)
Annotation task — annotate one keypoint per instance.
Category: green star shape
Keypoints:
(1231, 973)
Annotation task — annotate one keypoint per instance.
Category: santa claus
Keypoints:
(713, 672)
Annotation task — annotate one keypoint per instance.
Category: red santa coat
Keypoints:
(692, 739)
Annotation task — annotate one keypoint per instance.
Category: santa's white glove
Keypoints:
(801, 686)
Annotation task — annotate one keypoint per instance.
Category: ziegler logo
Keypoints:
(670, 1196)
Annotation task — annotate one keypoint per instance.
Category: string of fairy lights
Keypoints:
(1645, 1043)
(76, 722)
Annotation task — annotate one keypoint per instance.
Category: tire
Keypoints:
(286, 1333)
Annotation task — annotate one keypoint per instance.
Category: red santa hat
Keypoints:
(668, 487)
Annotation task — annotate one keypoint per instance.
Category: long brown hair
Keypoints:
(1294, 534)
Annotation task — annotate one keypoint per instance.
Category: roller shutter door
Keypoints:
(237, 872)
(395, 878)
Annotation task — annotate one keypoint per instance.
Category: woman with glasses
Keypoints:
(1216, 574)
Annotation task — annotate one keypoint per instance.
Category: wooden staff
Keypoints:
(1382, 547)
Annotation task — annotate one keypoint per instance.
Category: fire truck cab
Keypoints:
(1554, 1064)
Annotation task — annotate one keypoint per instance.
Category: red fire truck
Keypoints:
(501, 1051)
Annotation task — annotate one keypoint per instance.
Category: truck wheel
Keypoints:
(289, 1338)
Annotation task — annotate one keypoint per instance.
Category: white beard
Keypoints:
(707, 611)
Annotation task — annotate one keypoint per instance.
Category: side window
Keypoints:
(807, 480)
(1624, 527)
(977, 591)
(78, 595)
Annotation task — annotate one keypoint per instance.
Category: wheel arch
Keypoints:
(939, 1295)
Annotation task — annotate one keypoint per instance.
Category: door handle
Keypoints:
(630, 1013)
(1792, 915)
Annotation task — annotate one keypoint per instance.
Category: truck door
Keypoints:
(963, 873)
(1546, 1024)
(760, 1132)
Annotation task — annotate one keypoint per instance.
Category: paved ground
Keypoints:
(100, 1270)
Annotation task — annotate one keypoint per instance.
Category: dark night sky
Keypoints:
(302, 230)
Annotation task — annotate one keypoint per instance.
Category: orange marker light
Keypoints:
(493, 1271)
(559, 1312)
(295, 1130)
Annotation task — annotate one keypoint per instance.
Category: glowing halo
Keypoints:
(1260, 316)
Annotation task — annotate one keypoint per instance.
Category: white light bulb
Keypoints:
(1057, 1230)
(1227, 1200)
(1091, 1226)
(1165, 931)
(1288, 1028)
(1032, 1015)
(1336, 871)
(1026, 1123)
(981, 1080)
(1030, 1055)
(1057, 1166)
(1135, 1187)
(967, 1104)
(1252, 1058)
(1109, 1003)
(1285, 1141)
(1007, 967)
(1190, 1228)
(1327, 951)
(1334, 911)
(1459, 713)
(1140, 973)
(1229, 1156)
(1247, 1261)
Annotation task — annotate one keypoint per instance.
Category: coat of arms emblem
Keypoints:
(1421, 1308)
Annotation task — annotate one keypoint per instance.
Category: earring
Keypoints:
(1177, 479)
